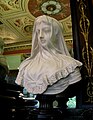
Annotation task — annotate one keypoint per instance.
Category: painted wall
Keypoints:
(13, 61)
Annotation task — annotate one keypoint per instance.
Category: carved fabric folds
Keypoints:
(51, 70)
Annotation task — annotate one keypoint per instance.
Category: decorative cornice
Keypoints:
(19, 46)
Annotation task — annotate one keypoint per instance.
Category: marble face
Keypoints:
(43, 31)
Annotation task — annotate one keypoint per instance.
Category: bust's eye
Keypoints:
(47, 30)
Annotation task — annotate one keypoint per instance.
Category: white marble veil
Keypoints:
(58, 43)
(44, 78)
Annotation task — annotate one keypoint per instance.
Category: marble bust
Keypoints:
(50, 69)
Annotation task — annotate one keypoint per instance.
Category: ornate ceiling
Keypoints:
(17, 18)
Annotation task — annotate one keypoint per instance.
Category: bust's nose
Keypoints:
(41, 34)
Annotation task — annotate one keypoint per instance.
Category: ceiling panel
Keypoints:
(17, 18)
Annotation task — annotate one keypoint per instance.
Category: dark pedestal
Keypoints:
(47, 110)
(46, 114)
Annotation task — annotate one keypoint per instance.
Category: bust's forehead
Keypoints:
(47, 20)
(43, 18)
(43, 23)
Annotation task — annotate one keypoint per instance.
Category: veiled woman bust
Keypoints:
(50, 69)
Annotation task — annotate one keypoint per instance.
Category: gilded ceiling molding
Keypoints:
(17, 18)
(16, 48)
(8, 5)
(58, 9)
(51, 7)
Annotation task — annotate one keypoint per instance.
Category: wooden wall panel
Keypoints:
(82, 18)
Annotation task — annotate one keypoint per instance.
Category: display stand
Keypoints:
(47, 110)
